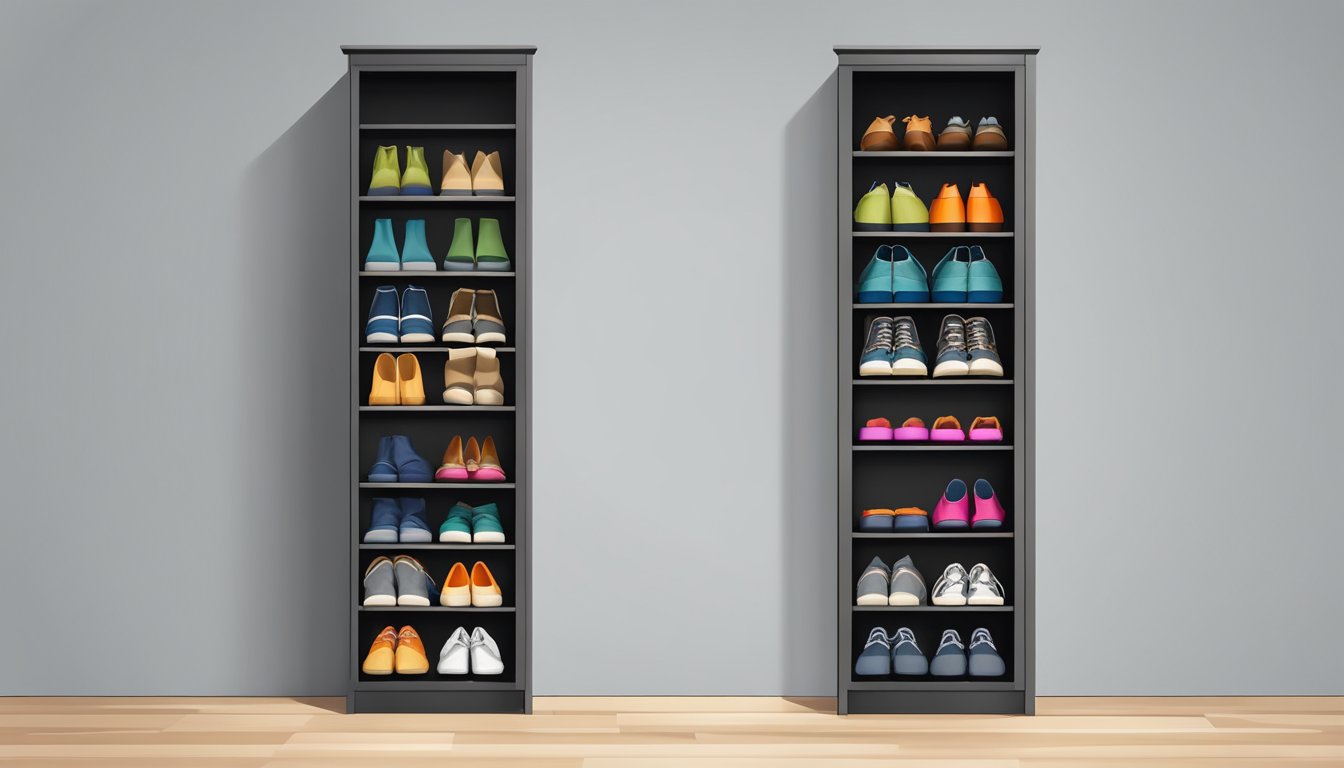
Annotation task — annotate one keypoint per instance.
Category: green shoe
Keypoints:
(485, 525)
(461, 253)
(386, 172)
(457, 528)
(873, 213)
(908, 213)
(490, 253)
(415, 181)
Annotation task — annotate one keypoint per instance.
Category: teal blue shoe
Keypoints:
(486, 527)
(876, 282)
(383, 256)
(909, 281)
(983, 285)
(950, 275)
(457, 528)
(415, 254)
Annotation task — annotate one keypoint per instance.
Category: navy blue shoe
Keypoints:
(411, 468)
(384, 470)
(384, 518)
(417, 319)
(413, 529)
(384, 316)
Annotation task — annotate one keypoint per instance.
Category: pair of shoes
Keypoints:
(885, 653)
(957, 137)
(475, 462)
(966, 347)
(903, 519)
(479, 590)
(393, 521)
(953, 660)
(465, 654)
(970, 280)
(396, 381)
(474, 317)
(881, 136)
(471, 377)
(388, 179)
(474, 525)
(399, 581)
(956, 587)
(985, 429)
(409, 321)
(485, 177)
(414, 255)
(899, 209)
(485, 253)
(895, 275)
(953, 510)
(892, 349)
(401, 652)
(980, 212)
(397, 462)
(899, 584)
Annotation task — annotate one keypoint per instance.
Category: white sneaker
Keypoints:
(985, 588)
(453, 657)
(950, 589)
(485, 658)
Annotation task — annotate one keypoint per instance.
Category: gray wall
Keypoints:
(173, 276)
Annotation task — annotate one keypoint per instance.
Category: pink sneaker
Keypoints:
(953, 510)
(986, 429)
(946, 429)
(875, 429)
(989, 512)
(911, 430)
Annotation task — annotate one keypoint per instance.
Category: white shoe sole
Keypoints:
(875, 368)
(985, 367)
(380, 600)
(984, 600)
(455, 599)
(464, 338)
(458, 396)
(909, 367)
(420, 266)
(950, 600)
(381, 338)
(382, 266)
(412, 600)
(873, 599)
(488, 538)
(903, 598)
(488, 397)
(455, 537)
(417, 338)
(487, 601)
(490, 338)
(951, 368)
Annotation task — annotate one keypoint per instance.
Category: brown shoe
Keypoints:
(989, 135)
(487, 174)
(459, 380)
(454, 465)
(918, 134)
(487, 466)
(456, 177)
(956, 137)
(487, 383)
(457, 326)
(880, 137)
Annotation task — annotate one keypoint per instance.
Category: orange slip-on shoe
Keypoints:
(918, 134)
(382, 653)
(456, 590)
(880, 137)
(983, 212)
(948, 212)
(485, 592)
(384, 390)
(409, 383)
(411, 658)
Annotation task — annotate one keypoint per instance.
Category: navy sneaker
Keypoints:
(384, 315)
(383, 469)
(984, 657)
(878, 349)
(417, 319)
(383, 521)
(950, 658)
(953, 359)
(906, 658)
(411, 468)
(875, 658)
(413, 528)
(982, 351)
(907, 356)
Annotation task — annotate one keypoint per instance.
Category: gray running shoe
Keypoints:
(874, 584)
(906, 658)
(982, 350)
(380, 583)
(984, 657)
(414, 584)
(984, 588)
(950, 589)
(907, 584)
(875, 658)
(950, 658)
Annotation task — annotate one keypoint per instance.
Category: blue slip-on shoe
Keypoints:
(909, 281)
(875, 282)
(983, 657)
(950, 658)
(383, 518)
(950, 276)
(877, 348)
(414, 528)
(382, 255)
(875, 658)
(906, 658)
(910, 523)
(415, 256)
(417, 319)
(411, 468)
(384, 316)
(384, 470)
(983, 285)
(907, 356)
(953, 359)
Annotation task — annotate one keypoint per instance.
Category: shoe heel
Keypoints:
(911, 297)
(984, 297)
(949, 297)
(874, 297)
(458, 266)
(494, 266)
(987, 525)
(416, 189)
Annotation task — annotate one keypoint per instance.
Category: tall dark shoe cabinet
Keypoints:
(463, 99)
(939, 83)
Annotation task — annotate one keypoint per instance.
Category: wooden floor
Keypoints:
(668, 732)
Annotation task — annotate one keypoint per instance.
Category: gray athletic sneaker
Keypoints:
(950, 588)
(984, 588)
(414, 584)
(906, 658)
(984, 657)
(950, 658)
(380, 583)
(874, 583)
(875, 658)
(982, 350)
(907, 585)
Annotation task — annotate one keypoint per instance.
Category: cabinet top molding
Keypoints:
(849, 50)
(524, 49)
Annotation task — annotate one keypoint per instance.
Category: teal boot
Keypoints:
(382, 255)
(461, 254)
(950, 275)
(415, 255)
(983, 285)
(490, 253)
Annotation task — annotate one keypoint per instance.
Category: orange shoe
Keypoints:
(948, 213)
(946, 428)
(381, 653)
(880, 137)
(983, 212)
(411, 658)
(485, 592)
(456, 591)
(918, 133)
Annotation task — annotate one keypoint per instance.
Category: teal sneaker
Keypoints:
(486, 527)
(950, 275)
(457, 528)
(415, 255)
(983, 285)
(893, 274)
(876, 280)
(382, 256)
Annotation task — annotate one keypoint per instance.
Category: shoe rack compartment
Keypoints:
(464, 100)
(938, 84)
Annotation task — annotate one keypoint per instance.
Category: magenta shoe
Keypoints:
(953, 511)
(911, 430)
(488, 475)
(946, 429)
(875, 429)
(989, 512)
(986, 429)
(449, 474)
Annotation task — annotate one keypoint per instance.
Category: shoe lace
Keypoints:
(954, 334)
(905, 335)
(986, 577)
(880, 334)
(879, 636)
(904, 635)
(950, 637)
(981, 637)
(981, 335)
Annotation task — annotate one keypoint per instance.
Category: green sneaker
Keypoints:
(873, 213)
(415, 181)
(908, 213)
(386, 179)
(461, 254)
(457, 528)
(490, 253)
(485, 525)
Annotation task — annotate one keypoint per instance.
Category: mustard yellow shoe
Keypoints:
(487, 174)
(456, 175)
(384, 389)
(410, 385)
(382, 653)
(386, 179)
(411, 658)
(456, 591)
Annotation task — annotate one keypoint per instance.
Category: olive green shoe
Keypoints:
(908, 212)
(490, 253)
(415, 181)
(386, 179)
(873, 213)
(461, 254)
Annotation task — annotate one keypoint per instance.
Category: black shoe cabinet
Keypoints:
(463, 99)
(939, 83)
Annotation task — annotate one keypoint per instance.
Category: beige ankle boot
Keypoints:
(459, 376)
(458, 325)
(488, 382)
(456, 176)
(487, 174)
